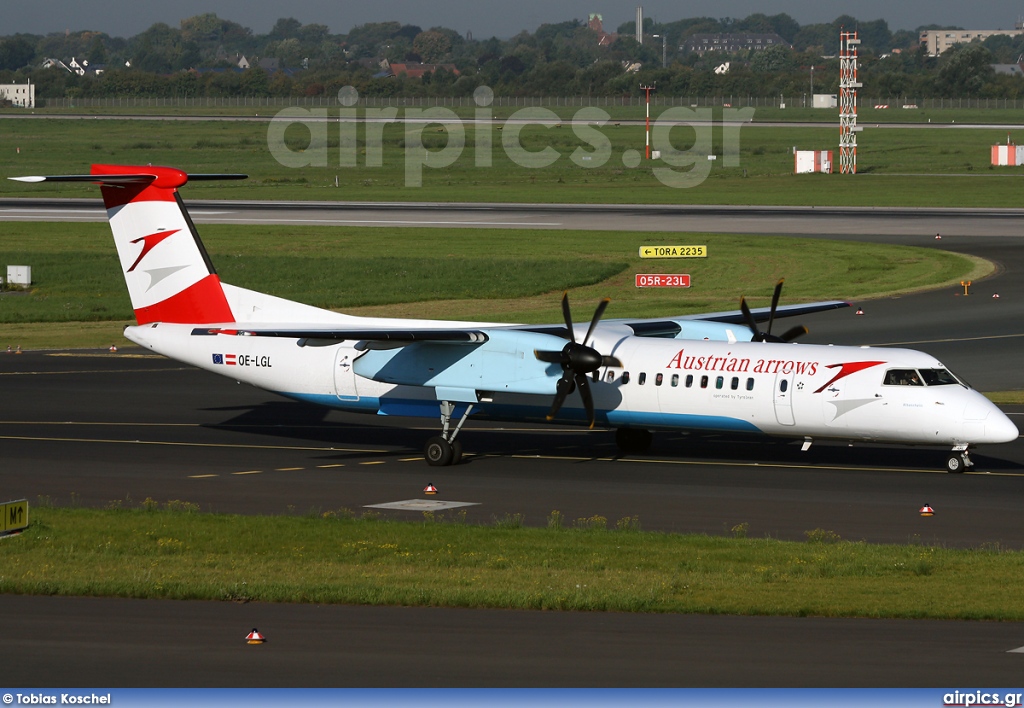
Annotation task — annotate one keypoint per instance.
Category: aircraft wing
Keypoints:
(673, 327)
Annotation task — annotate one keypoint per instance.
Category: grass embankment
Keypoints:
(896, 167)
(514, 275)
(162, 551)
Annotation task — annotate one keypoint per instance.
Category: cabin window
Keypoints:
(609, 376)
(735, 383)
(902, 377)
(625, 378)
(675, 380)
(719, 381)
(659, 379)
(689, 380)
(783, 385)
(750, 384)
(642, 378)
(703, 381)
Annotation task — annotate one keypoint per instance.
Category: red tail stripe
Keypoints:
(202, 303)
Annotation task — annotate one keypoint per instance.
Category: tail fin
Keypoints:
(169, 275)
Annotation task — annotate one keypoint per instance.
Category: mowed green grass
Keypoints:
(896, 167)
(513, 275)
(589, 564)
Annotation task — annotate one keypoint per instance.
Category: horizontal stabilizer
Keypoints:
(134, 178)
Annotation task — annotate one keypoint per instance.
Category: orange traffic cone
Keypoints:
(430, 489)
(927, 511)
(255, 637)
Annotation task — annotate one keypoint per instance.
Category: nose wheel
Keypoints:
(958, 461)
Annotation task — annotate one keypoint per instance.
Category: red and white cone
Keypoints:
(860, 311)
(927, 511)
(938, 237)
(113, 348)
(430, 489)
(995, 295)
(255, 637)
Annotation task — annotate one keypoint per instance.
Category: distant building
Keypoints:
(1008, 69)
(732, 43)
(596, 23)
(21, 95)
(938, 41)
(416, 71)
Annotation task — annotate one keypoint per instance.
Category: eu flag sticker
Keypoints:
(218, 358)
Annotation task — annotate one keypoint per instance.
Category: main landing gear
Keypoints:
(958, 460)
(443, 450)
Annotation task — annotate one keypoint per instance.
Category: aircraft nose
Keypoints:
(999, 428)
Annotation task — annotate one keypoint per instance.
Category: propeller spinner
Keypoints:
(788, 336)
(577, 359)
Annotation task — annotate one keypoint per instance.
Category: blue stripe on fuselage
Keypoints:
(425, 408)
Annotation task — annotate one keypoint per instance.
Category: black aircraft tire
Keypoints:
(438, 452)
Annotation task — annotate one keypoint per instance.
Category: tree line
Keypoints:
(200, 59)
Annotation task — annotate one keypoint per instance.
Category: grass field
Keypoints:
(896, 167)
(513, 275)
(167, 551)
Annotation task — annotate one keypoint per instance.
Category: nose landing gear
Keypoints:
(958, 460)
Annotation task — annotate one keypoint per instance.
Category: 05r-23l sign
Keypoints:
(673, 251)
(661, 280)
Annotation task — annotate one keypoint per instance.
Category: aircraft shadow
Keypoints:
(305, 423)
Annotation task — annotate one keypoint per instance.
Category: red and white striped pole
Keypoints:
(647, 90)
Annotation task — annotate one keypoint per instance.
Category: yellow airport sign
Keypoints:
(673, 251)
(14, 516)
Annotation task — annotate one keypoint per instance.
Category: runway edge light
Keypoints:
(430, 489)
(254, 637)
(927, 511)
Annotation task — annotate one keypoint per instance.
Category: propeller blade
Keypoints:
(793, 332)
(610, 361)
(775, 303)
(588, 400)
(597, 317)
(567, 316)
(751, 322)
(548, 357)
(562, 389)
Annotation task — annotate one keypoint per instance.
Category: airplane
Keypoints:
(709, 372)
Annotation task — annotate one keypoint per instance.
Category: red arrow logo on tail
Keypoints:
(149, 242)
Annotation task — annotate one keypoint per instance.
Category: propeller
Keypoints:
(577, 359)
(788, 336)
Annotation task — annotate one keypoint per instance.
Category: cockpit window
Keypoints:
(938, 377)
(902, 377)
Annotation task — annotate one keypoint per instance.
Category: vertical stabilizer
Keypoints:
(167, 271)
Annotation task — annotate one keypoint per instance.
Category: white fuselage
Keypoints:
(791, 390)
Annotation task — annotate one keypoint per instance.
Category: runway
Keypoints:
(914, 225)
(91, 427)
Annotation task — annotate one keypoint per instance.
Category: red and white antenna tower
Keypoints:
(848, 86)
